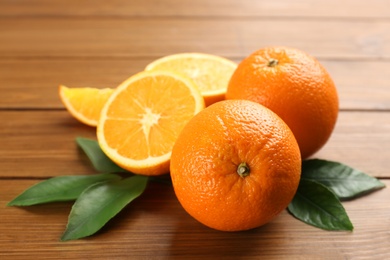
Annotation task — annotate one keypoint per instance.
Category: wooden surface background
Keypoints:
(44, 43)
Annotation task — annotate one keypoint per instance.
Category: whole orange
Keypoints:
(235, 165)
(295, 86)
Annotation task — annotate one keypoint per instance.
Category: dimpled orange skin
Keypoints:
(297, 88)
(210, 149)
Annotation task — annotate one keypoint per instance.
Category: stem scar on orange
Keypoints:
(235, 166)
(295, 86)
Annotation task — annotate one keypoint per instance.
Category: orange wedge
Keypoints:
(84, 104)
(143, 117)
(210, 73)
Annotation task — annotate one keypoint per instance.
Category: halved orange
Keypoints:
(211, 73)
(142, 119)
(84, 104)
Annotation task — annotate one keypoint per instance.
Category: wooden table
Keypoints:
(44, 43)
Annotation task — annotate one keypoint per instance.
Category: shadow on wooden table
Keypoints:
(202, 241)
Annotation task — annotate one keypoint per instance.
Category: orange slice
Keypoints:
(142, 119)
(84, 104)
(211, 73)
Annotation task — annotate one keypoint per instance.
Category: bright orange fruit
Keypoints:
(211, 73)
(84, 104)
(295, 86)
(142, 118)
(235, 166)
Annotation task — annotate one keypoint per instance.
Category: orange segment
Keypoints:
(210, 73)
(143, 117)
(84, 104)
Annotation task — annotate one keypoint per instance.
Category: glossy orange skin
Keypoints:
(208, 152)
(297, 88)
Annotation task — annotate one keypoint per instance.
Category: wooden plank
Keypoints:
(41, 143)
(32, 83)
(155, 226)
(361, 84)
(200, 8)
(360, 140)
(119, 37)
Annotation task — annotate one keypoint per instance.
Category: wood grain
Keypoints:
(136, 233)
(32, 141)
(33, 83)
(200, 8)
(45, 141)
(44, 43)
(360, 140)
(119, 37)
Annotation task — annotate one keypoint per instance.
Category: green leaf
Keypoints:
(98, 158)
(63, 188)
(344, 181)
(99, 203)
(317, 205)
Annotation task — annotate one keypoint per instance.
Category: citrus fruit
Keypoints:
(295, 86)
(84, 104)
(210, 72)
(235, 165)
(143, 117)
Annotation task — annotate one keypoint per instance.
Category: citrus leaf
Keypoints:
(99, 203)
(98, 158)
(63, 188)
(344, 181)
(317, 205)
